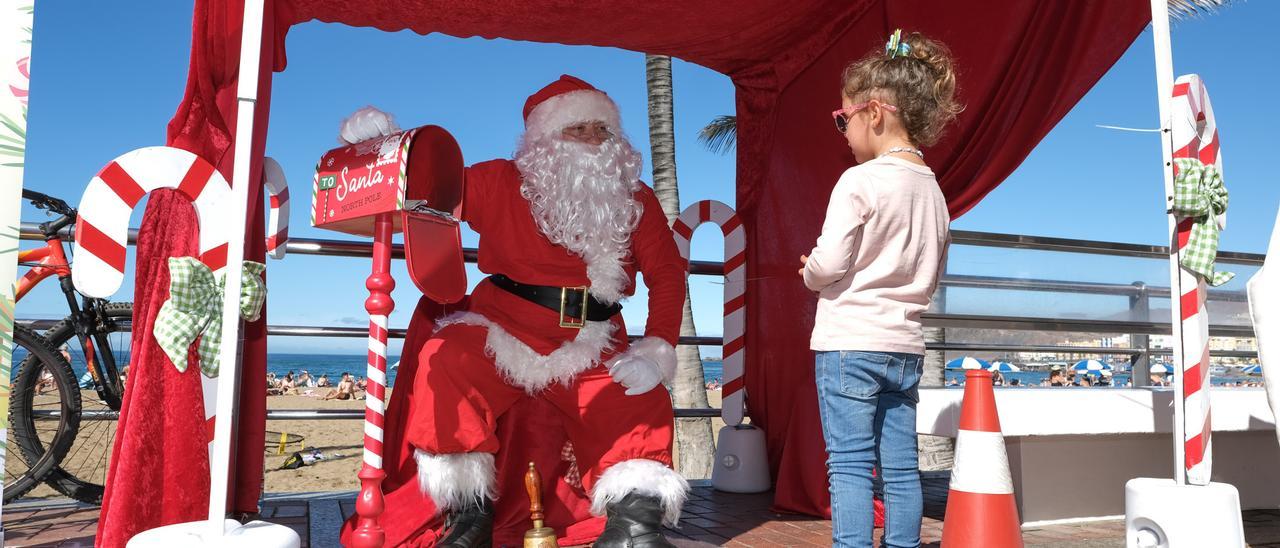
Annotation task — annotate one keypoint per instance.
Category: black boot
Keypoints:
(634, 522)
(468, 527)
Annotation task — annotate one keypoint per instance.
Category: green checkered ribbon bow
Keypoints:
(194, 309)
(1198, 193)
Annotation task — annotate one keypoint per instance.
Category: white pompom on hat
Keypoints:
(565, 102)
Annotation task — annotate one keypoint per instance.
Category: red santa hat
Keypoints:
(565, 102)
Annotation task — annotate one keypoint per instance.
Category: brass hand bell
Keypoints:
(540, 536)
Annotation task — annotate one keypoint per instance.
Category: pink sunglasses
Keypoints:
(842, 116)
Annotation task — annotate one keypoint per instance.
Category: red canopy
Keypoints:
(1022, 66)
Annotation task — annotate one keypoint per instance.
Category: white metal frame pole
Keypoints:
(228, 359)
(1164, 92)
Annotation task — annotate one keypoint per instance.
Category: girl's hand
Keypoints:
(804, 259)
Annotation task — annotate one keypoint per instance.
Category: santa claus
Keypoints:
(564, 228)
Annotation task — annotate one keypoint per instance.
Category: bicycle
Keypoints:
(85, 426)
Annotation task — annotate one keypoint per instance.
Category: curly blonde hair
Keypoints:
(922, 84)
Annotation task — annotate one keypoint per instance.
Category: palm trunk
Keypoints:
(936, 452)
(693, 444)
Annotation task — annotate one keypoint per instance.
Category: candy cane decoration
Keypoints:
(102, 229)
(102, 226)
(1195, 135)
(735, 244)
(278, 223)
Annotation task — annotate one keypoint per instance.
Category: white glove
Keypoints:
(637, 374)
(644, 366)
(366, 123)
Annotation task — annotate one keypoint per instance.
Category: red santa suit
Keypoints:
(504, 347)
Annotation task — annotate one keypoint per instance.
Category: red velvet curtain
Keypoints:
(159, 468)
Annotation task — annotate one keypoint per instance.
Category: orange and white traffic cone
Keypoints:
(981, 511)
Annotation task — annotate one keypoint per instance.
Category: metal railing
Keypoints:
(1138, 293)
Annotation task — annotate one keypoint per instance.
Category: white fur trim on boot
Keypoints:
(455, 479)
(524, 367)
(647, 477)
(584, 105)
(656, 350)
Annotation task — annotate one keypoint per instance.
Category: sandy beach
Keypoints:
(340, 441)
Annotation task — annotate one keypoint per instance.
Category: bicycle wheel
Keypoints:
(83, 471)
(44, 413)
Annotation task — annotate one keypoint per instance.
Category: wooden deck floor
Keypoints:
(711, 518)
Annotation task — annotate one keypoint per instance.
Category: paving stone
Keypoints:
(711, 519)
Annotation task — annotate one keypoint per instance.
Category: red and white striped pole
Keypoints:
(733, 406)
(1194, 135)
(369, 505)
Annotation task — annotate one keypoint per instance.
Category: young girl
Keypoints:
(875, 268)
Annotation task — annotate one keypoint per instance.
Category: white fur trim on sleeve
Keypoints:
(659, 352)
(648, 477)
(453, 480)
(566, 109)
(366, 123)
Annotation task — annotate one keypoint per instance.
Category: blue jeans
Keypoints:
(868, 405)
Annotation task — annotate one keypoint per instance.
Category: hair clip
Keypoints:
(895, 47)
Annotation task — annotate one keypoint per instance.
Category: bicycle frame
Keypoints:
(51, 260)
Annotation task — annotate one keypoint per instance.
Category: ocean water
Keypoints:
(334, 365)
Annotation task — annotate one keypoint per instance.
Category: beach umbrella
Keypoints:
(1161, 368)
(1004, 367)
(968, 363)
(1255, 369)
(1091, 367)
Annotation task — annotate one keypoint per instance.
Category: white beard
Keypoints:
(581, 197)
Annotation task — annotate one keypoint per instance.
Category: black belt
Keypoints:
(568, 301)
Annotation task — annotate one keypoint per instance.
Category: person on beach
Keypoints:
(565, 226)
(287, 384)
(875, 267)
(323, 381)
(1056, 378)
(345, 390)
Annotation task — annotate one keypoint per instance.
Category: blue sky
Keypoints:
(106, 79)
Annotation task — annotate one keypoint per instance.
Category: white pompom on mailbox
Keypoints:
(409, 181)
(742, 464)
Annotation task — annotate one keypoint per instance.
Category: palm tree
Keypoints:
(694, 442)
(1181, 9)
(721, 134)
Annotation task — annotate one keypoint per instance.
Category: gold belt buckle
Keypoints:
(570, 321)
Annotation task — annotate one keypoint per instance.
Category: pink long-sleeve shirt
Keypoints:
(876, 264)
